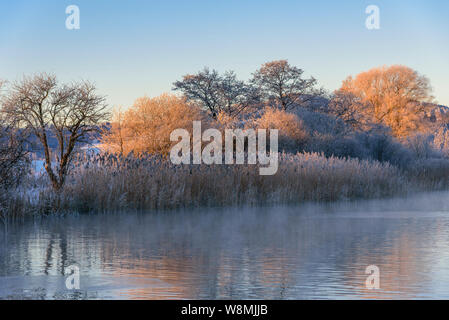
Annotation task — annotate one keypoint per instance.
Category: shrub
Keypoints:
(292, 134)
(317, 123)
(422, 146)
(338, 146)
(382, 147)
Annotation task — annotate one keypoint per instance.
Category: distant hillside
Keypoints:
(437, 113)
(439, 116)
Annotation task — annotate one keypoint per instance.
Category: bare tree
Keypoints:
(14, 160)
(236, 95)
(283, 85)
(218, 93)
(13, 155)
(201, 88)
(70, 111)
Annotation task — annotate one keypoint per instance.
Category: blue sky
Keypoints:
(135, 48)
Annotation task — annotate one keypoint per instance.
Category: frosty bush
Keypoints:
(321, 123)
(422, 146)
(292, 134)
(379, 145)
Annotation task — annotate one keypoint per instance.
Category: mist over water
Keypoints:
(296, 252)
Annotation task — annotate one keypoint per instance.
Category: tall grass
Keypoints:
(107, 183)
(104, 182)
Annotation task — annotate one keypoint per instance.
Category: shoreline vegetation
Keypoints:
(108, 183)
(380, 135)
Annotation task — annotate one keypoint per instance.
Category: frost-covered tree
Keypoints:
(235, 95)
(70, 111)
(146, 126)
(394, 97)
(13, 155)
(217, 93)
(284, 86)
(14, 161)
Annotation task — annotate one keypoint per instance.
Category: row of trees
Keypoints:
(393, 97)
(276, 83)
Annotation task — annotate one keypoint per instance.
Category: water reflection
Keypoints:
(306, 251)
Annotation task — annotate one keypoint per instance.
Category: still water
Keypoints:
(293, 252)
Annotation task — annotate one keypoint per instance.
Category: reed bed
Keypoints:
(107, 183)
(110, 183)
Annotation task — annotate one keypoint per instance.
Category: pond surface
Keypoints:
(294, 252)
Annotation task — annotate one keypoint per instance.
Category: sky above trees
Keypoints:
(134, 48)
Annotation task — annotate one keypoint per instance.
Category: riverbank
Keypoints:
(100, 183)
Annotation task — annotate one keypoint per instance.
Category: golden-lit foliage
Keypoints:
(393, 96)
(288, 124)
(147, 125)
(226, 121)
(112, 139)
